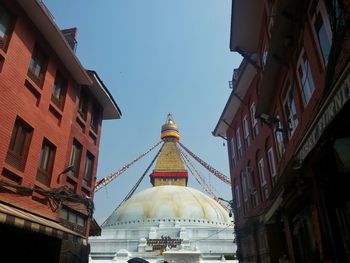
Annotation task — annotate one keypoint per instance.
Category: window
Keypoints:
(305, 77)
(37, 67)
(75, 157)
(83, 104)
(239, 143)
(245, 191)
(46, 160)
(88, 170)
(244, 186)
(272, 165)
(19, 144)
(279, 137)
(262, 172)
(247, 139)
(95, 118)
(59, 90)
(254, 120)
(264, 53)
(323, 30)
(72, 217)
(233, 152)
(252, 186)
(264, 190)
(5, 27)
(238, 198)
(291, 111)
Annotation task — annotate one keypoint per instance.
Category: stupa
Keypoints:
(169, 221)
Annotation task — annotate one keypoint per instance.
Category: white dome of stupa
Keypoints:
(168, 203)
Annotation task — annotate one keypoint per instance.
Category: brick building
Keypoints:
(51, 112)
(288, 130)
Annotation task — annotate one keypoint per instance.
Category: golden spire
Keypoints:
(170, 168)
(169, 129)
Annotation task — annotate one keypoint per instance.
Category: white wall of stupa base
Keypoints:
(118, 243)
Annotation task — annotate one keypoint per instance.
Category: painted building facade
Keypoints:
(288, 130)
(51, 112)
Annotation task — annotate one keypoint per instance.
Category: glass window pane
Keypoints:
(64, 214)
(72, 217)
(80, 221)
(4, 23)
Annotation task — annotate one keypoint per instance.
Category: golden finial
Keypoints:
(169, 129)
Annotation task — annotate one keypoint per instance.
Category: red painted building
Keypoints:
(51, 112)
(288, 130)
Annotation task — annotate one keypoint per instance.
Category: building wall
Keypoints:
(247, 162)
(294, 200)
(23, 98)
(131, 238)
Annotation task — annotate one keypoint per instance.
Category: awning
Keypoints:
(22, 219)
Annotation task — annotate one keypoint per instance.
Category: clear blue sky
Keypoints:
(155, 57)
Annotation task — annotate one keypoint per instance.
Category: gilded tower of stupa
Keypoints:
(170, 168)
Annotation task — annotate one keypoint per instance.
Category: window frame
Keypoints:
(73, 160)
(83, 105)
(254, 120)
(90, 159)
(46, 162)
(5, 39)
(233, 151)
(320, 11)
(263, 181)
(62, 83)
(67, 216)
(95, 121)
(239, 143)
(292, 122)
(13, 157)
(238, 197)
(305, 77)
(244, 187)
(39, 58)
(272, 164)
(279, 137)
(261, 168)
(264, 53)
(246, 132)
(252, 186)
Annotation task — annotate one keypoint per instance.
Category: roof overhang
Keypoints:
(241, 86)
(282, 39)
(42, 19)
(104, 97)
(246, 17)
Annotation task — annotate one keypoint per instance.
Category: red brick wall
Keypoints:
(34, 106)
(255, 151)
